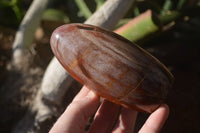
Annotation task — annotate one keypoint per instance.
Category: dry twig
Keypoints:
(25, 34)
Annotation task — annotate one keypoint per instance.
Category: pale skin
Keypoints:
(109, 117)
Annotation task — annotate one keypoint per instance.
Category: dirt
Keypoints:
(182, 58)
(18, 89)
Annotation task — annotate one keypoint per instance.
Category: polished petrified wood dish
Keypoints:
(112, 66)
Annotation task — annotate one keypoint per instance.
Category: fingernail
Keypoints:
(91, 94)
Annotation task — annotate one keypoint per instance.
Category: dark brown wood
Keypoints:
(112, 66)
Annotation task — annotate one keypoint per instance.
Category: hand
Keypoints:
(85, 104)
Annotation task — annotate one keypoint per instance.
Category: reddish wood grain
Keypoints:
(112, 66)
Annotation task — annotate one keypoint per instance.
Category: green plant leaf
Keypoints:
(55, 15)
(5, 4)
(84, 10)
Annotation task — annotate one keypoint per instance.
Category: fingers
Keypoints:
(156, 120)
(85, 105)
(105, 118)
(126, 121)
(75, 117)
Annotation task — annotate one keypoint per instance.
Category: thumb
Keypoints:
(76, 115)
